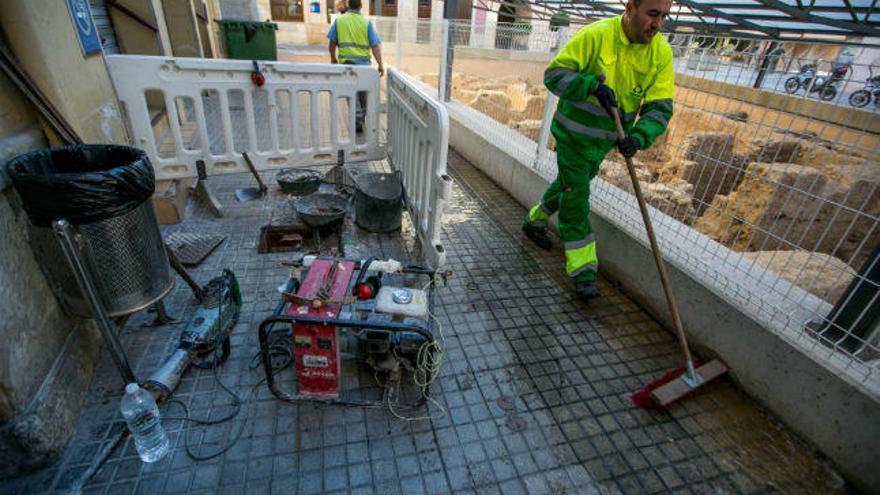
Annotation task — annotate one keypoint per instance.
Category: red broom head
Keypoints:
(642, 397)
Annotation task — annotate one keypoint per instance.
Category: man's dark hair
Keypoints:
(354, 4)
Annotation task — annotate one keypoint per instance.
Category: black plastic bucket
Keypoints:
(377, 202)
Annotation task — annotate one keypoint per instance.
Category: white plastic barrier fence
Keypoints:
(418, 137)
(180, 110)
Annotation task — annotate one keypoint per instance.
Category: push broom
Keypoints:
(681, 381)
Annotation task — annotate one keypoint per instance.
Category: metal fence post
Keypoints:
(397, 38)
(549, 108)
(544, 133)
(442, 87)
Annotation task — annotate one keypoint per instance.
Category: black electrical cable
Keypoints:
(236, 404)
(187, 418)
(278, 348)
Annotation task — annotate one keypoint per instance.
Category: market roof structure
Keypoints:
(777, 19)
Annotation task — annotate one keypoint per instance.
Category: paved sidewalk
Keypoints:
(533, 388)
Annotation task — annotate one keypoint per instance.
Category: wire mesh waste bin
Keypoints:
(103, 191)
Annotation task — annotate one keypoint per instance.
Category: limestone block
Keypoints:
(495, 104)
(821, 274)
(843, 223)
(429, 78)
(517, 94)
(491, 86)
(528, 128)
(463, 95)
(775, 150)
(771, 201)
(714, 168)
(513, 79)
(782, 205)
(470, 83)
(673, 198)
(538, 90)
(534, 107)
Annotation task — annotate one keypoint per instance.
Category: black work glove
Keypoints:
(605, 95)
(628, 146)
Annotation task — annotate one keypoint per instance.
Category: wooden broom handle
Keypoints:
(655, 249)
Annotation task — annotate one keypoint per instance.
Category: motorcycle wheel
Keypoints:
(792, 85)
(828, 93)
(860, 98)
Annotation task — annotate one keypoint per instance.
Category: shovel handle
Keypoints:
(655, 250)
(253, 169)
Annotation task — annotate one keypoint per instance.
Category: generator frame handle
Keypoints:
(268, 323)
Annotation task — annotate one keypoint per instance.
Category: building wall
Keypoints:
(48, 358)
(132, 36)
(238, 9)
(313, 29)
(41, 34)
(183, 29)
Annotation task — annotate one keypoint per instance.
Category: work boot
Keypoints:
(586, 290)
(538, 235)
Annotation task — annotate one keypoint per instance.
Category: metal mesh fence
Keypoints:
(768, 176)
(767, 157)
(413, 46)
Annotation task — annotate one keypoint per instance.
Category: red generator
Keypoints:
(364, 308)
(316, 347)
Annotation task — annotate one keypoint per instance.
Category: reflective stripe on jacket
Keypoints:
(353, 38)
(641, 76)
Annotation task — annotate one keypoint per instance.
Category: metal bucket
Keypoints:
(320, 209)
(125, 254)
(377, 202)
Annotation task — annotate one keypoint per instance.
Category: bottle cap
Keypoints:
(132, 388)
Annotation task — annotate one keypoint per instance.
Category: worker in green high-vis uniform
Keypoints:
(617, 62)
(355, 38)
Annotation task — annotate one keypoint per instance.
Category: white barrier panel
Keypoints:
(418, 137)
(180, 110)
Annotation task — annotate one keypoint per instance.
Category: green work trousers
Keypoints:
(569, 195)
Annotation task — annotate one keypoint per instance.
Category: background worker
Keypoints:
(355, 37)
(341, 7)
(636, 65)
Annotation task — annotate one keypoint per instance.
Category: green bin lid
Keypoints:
(236, 23)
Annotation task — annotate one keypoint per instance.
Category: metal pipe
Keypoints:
(133, 15)
(64, 232)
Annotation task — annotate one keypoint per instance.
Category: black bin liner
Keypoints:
(81, 183)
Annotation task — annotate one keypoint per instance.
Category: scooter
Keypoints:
(863, 96)
(808, 80)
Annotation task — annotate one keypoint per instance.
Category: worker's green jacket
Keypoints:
(641, 76)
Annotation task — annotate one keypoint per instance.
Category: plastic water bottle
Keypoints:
(142, 415)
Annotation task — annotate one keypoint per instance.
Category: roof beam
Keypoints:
(703, 10)
(712, 11)
(868, 13)
(855, 27)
